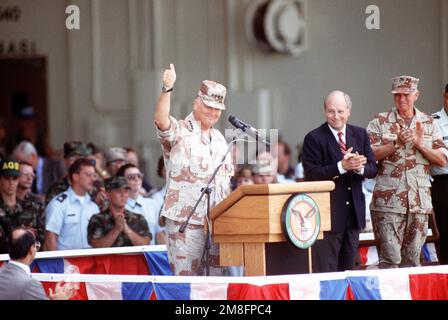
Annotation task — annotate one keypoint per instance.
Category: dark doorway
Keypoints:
(23, 100)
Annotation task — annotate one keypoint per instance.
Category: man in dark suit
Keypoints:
(15, 278)
(339, 152)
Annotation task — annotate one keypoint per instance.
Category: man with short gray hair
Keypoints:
(405, 142)
(47, 170)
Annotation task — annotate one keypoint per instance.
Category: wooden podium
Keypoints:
(250, 217)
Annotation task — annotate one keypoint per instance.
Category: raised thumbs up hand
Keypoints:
(169, 77)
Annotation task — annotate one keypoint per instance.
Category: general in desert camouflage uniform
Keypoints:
(22, 214)
(105, 223)
(192, 149)
(405, 141)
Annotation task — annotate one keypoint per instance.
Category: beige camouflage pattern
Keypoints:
(404, 84)
(213, 94)
(186, 250)
(401, 238)
(190, 159)
(402, 183)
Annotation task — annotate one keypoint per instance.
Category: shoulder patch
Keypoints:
(62, 197)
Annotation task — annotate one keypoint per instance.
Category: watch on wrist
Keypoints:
(165, 89)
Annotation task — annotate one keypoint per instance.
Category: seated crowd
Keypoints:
(95, 199)
(89, 199)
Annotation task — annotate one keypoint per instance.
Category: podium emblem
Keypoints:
(301, 220)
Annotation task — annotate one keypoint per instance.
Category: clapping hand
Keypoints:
(404, 136)
(120, 222)
(353, 161)
(62, 291)
(417, 137)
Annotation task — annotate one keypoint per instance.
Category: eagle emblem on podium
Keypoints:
(301, 220)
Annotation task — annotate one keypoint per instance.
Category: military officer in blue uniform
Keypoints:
(440, 184)
(68, 214)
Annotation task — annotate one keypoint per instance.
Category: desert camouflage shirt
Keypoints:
(403, 176)
(190, 159)
(102, 223)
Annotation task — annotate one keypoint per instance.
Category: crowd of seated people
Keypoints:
(71, 203)
(63, 202)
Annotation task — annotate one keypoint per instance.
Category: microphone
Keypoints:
(247, 128)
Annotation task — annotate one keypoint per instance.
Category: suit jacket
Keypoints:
(15, 284)
(321, 153)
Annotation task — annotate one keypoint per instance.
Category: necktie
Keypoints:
(342, 145)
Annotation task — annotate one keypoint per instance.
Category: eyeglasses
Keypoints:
(37, 245)
(116, 162)
(134, 176)
(29, 175)
(90, 175)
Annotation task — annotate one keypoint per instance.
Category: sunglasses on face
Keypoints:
(134, 176)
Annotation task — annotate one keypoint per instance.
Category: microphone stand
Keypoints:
(207, 190)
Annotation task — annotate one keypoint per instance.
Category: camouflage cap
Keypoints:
(404, 84)
(114, 154)
(264, 167)
(115, 183)
(213, 94)
(76, 148)
(10, 168)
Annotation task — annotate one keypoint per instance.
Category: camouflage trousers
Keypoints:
(186, 250)
(400, 238)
